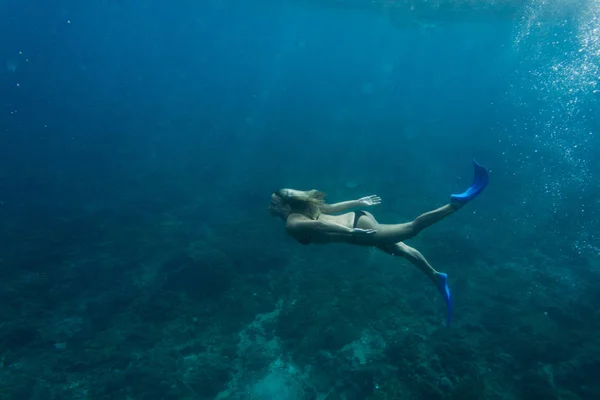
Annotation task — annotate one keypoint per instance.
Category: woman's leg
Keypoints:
(390, 234)
(440, 280)
(414, 256)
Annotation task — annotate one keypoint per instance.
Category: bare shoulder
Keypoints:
(297, 222)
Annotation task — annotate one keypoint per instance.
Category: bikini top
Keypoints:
(305, 240)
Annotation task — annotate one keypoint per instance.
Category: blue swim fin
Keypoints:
(480, 181)
(442, 285)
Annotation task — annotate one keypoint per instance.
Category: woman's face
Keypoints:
(277, 208)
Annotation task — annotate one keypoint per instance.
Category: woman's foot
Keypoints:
(480, 181)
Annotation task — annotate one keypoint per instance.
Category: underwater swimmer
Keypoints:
(308, 219)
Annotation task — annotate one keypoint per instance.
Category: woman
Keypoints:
(309, 220)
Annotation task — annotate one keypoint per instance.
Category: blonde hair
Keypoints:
(307, 202)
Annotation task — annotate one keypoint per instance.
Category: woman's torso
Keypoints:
(321, 237)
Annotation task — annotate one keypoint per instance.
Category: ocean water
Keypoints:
(140, 143)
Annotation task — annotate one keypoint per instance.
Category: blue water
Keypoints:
(139, 146)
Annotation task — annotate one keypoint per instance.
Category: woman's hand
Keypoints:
(363, 232)
(369, 200)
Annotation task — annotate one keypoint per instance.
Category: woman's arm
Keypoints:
(339, 207)
(345, 205)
